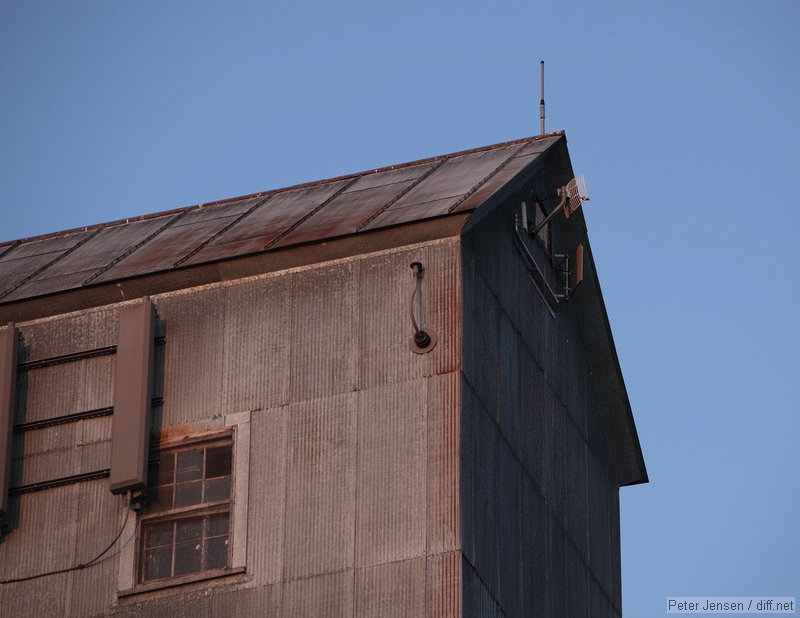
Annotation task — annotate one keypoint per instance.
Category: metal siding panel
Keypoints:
(412, 212)
(443, 585)
(44, 536)
(481, 350)
(99, 516)
(556, 569)
(577, 490)
(536, 421)
(616, 566)
(577, 584)
(176, 242)
(390, 511)
(389, 590)
(187, 605)
(385, 284)
(470, 409)
(443, 456)
(391, 176)
(456, 176)
(76, 332)
(132, 397)
(193, 355)
(261, 602)
(443, 281)
(510, 409)
(508, 515)
(324, 332)
(266, 223)
(344, 214)
(478, 601)
(64, 389)
(504, 175)
(8, 382)
(267, 495)
(324, 595)
(557, 468)
(600, 492)
(487, 495)
(42, 598)
(321, 485)
(256, 344)
(534, 550)
(58, 463)
(95, 254)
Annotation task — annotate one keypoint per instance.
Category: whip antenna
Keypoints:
(541, 100)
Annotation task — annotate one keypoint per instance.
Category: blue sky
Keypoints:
(682, 115)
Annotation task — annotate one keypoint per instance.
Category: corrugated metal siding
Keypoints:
(354, 489)
(193, 357)
(320, 486)
(324, 328)
(532, 441)
(267, 495)
(96, 528)
(396, 589)
(323, 595)
(258, 344)
(443, 456)
(390, 517)
(443, 585)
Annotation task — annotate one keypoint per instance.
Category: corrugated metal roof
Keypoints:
(265, 221)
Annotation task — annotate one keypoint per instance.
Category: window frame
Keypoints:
(174, 514)
(235, 427)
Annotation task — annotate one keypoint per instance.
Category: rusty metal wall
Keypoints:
(540, 520)
(353, 502)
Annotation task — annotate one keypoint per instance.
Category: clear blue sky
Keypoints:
(682, 115)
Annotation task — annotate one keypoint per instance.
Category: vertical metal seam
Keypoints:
(208, 241)
(49, 264)
(287, 449)
(357, 277)
(305, 217)
(10, 247)
(483, 181)
(130, 250)
(388, 204)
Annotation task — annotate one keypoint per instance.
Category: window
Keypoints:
(544, 234)
(185, 527)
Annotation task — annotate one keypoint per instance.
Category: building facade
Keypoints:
(303, 454)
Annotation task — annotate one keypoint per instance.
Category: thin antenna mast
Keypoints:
(541, 101)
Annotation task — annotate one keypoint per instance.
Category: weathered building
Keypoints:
(306, 457)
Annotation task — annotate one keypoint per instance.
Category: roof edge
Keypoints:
(305, 185)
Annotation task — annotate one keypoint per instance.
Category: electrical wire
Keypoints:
(77, 567)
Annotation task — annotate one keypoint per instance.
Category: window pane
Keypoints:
(157, 563)
(216, 553)
(156, 535)
(218, 461)
(187, 494)
(187, 558)
(166, 470)
(189, 529)
(190, 465)
(218, 489)
(217, 525)
(159, 498)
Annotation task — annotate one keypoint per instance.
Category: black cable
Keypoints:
(77, 567)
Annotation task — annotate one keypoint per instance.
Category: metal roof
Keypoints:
(267, 221)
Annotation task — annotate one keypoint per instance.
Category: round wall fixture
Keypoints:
(422, 342)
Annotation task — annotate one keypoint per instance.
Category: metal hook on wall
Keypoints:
(423, 340)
